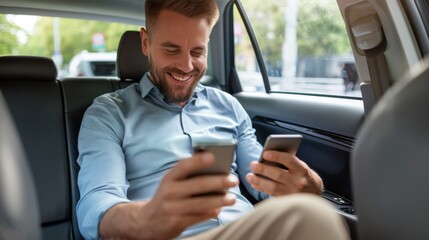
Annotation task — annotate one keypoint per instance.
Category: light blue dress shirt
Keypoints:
(130, 138)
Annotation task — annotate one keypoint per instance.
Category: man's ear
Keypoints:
(144, 40)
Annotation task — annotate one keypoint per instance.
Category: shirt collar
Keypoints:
(146, 87)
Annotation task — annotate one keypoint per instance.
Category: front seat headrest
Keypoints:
(131, 63)
(19, 208)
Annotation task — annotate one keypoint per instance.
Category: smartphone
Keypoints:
(281, 142)
(224, 155)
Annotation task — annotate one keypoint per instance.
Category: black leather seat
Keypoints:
(19, 210)
(390, 163)
(34, 98)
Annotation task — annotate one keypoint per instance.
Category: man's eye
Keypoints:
(197, 53)
(171, 51)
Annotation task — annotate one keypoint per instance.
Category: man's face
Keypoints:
(177, 51)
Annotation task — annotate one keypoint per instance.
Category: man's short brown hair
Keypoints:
(206, 9)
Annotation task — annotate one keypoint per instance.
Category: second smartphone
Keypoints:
(281, 142)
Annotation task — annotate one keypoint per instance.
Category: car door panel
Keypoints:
(328, 127)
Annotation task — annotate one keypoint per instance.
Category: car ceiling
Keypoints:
(126, 11)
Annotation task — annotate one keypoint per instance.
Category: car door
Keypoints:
(287, 62)
(289, 84)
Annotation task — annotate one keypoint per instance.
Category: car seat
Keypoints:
(131, 63)
(390, 162)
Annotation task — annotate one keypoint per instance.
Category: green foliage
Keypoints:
(8, 39)
(41, 42)
(268, 22)
(320, 28)
(75, 34)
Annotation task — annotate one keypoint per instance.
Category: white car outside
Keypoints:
(92, 64)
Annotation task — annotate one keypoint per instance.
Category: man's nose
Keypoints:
(185, 63)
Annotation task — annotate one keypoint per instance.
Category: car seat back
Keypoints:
(390, 163)
(33, 96)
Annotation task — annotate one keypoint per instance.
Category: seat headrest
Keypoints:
(27, 68)
(131, 63)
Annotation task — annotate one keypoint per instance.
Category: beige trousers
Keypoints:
(297, 216)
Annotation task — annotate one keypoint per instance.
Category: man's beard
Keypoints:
(173, 93)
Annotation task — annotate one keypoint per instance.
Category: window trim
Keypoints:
(418, 15)
(255, 45)
(232, 74)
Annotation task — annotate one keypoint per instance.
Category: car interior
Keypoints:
(370, 152)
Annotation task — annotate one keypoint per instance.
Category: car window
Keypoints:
(78, 47)
(304, 46)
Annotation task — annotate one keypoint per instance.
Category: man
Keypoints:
(350, 76)
(135, 151)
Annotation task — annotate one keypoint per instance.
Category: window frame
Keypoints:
(231, 71)
(255, 45)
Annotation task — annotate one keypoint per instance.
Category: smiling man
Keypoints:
(177, 56)
(135, 152)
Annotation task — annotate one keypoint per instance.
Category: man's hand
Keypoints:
(178, 203)
(298, 178)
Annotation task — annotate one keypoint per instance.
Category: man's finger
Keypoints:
(286, 159)
(268, 186)
(273, 172)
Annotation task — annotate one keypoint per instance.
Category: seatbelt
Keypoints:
(378, 71)
(369, 37)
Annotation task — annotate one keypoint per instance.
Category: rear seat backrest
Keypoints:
(34, 98)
